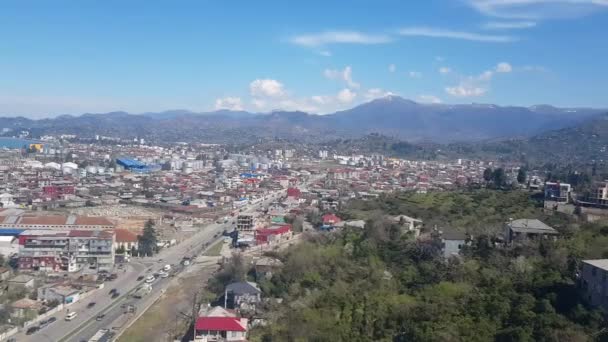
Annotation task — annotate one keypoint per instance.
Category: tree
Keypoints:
(499, 178)
(521, 175)
(120, 249)
(147, 241)
(487, 174)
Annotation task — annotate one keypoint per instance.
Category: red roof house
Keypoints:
(214, 328)
(330, 219)
(267, 235)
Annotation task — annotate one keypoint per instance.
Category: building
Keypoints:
(21, 281)
(273, 234)
(266, 266)
(558, 192)
(52, 250)
(452, 242)
(211, 329)
(245, 222)
(411, 224)
(525, 229)
(126, 240)
(24, 220)
(60, 293)
(58, 190)
(9, 245)
(593, 282)
(242, 295)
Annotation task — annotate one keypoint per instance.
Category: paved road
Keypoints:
(85, 325)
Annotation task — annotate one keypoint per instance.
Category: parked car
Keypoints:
(90, 305)
(140, 278)
(32, 330)
(100, 317)
(115, 295)
(112, 291)
(51, 320)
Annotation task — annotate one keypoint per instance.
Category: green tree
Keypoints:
(487, 174)
(499, 178)
(147, 241)
(522, 175)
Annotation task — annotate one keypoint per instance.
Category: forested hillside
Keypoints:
(378, 284)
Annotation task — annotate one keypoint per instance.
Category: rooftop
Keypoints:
(599, 263)
(531, 226)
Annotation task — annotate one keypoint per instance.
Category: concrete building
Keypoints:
(593, 282)
(51, 250)
(525, 229)
(245, 223)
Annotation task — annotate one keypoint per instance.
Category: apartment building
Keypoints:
(66, 250)
(19, 219)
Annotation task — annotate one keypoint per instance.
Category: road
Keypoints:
(85, 325)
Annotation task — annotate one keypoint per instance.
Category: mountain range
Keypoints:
(391, 116)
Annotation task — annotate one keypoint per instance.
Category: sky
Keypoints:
(73, 57)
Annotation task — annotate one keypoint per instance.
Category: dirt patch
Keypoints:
(169, 318)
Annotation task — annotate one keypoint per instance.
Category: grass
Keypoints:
(215, 249)
(154, 317)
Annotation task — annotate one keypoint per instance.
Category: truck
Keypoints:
(142, 291)
(102, 335)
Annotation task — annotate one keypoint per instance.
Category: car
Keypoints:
(112, 291)
(70, 316)
(32, 330)
(115, 295)
(42, 324)
(140, 278)
(100, 317)
(90, 305)
(51, 320)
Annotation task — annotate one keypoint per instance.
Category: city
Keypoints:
(214, 171)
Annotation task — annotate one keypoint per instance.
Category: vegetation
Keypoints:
(378, 284)
(215, 249)
(147, 241)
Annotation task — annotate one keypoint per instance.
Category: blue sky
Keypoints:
(71, 57)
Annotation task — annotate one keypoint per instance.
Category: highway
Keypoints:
(85, 325)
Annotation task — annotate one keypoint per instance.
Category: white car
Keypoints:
(167, 268)
(150, 279)
(163, 274)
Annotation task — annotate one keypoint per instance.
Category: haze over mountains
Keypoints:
(391, 115)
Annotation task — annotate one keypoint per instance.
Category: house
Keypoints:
(525, 229)
(593, 282)
(330, 221)
(452, 242)
(208, 329)
(273, 234)
(264, 267)
(126, 239)
(411, 224)
(9, 245)
(60, 293)
(21, 281)
(243, 295)
(26, 308)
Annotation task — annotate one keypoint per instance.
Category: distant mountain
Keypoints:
(391, 116)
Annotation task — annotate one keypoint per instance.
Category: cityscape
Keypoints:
(222, 172)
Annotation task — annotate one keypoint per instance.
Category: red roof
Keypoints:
(125, 235)
(331, 218)
(274, 231)
(219, 324)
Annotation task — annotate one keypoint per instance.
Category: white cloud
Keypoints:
(339, 37)
(450, 34)
(376, 93)
(445, 70)
(504, 67)
(345, 75)
(486, 76)
(346, 96)
(508, 25)
(429, 99)
(259, 104)
(465, 90)
(230, 103)
(266, 88)
(325, 53)
(415, 74)
(392, 68)
(537, 9)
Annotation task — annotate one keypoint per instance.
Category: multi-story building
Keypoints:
(19, 219)
(66, 250)
(593, 282)
(245, 223)
(559, 192)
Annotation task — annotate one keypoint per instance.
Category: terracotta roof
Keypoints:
(44, 220)
(125, 235)
(219, 324)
